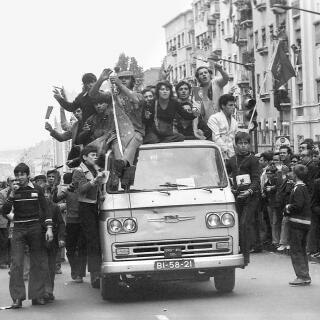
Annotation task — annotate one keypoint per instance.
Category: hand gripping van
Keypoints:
(177, 221)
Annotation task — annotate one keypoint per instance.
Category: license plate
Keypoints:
(174, 264)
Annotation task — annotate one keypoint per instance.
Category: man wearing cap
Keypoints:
(82, 101)
(131, 104)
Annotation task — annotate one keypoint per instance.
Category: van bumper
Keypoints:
(147, 266)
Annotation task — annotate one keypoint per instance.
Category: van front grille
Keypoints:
(148, 250)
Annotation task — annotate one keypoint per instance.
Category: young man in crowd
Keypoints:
(313, 169)
(210, 89)
(299, 211)
(245, 171)
(31, 212)
(285, 154)
(82, 101)
(4, 229)
(75, 241)
(87, 182)
(224, 126)
(148, 96)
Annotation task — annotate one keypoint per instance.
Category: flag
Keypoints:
(280, 66)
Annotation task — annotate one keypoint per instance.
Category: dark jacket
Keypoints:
(245, 164)
(283, 193)
(83, 101)
(29, 203)
(270, 191)
(299, 207)
(73, 134)
(315, 200)
(313, 173)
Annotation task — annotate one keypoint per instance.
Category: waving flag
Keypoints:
(280, 66)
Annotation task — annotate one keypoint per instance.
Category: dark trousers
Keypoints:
(4, 246)
(76, 249)
(89, 218)
(32, 235)
(153, 137)
(313, 243)
(52, 250)
(246, 210)
(298, 252)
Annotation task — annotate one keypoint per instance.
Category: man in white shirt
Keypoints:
(224, 126)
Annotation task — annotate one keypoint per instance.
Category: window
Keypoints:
(300, 112)
(182, 39)
(317, 33)
(175, 42)
(168, 46)
(184, 71)
(256, 39)
(229, 65)
(318, 90)
(228, 26)
(263, 37)
(258, 83)
(235, 59)
(180, 72)
(179, 42)
(222, 28)
(264, 82)
(300, 94)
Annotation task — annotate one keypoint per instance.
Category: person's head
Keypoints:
(203, 75)
(148, 96)
(284, 152)
(276, 160)
(306, 144)
(101, 103)
(227, 104)
(22, 174)
(315, 156)
(265, 158)
(40, 180)
(52, 177)
(127, 78)
(67, 178)
(88, 81)
(164, 90)
(300, 172)
(306, 156)
(78, 114)
(89, 155)
(242, 140)
(10, 181)
(295, 158)
(183, 90)
(271, 172)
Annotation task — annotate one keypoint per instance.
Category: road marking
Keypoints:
(162, 317)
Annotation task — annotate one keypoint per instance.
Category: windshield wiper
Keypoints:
(206, 189)
(173, 185)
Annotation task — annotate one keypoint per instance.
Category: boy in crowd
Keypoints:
(30, 213)
(245, 171)
(299, 211)
(75, 241)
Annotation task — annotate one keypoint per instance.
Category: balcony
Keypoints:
(215, 10)
(247, 57)
(173, 51)
(275, 9)
(265, 96)
(240, 36)
(212, 21)
(228, 37)
(263, 50)
(243, 79)
(261, 5)
(246, 16)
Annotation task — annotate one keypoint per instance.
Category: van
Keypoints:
(177, 221)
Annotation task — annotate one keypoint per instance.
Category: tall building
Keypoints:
(304, 41)
(179, 45)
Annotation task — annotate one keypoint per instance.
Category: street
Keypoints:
(261, 292)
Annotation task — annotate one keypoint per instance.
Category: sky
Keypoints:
(46, 43)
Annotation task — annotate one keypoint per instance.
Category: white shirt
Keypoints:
(223, 134)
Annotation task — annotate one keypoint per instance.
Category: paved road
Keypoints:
(262, 292)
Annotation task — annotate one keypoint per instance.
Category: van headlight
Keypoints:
(213, 220)
(115, 226)
(227, 219)
(129, 225)
(122, 225)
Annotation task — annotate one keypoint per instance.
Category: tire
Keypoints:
(109, 287)
(224, 280)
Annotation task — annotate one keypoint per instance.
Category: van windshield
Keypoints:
(184, 167)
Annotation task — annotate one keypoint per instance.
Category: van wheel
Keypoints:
(224, 280)
(109, 287)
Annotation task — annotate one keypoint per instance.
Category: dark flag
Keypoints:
(281, 67)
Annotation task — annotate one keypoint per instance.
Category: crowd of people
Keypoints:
(272, 190)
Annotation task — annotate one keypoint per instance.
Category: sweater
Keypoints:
(29, 204)
(299, 207)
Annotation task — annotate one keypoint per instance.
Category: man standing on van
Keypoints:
(224, 126)
(244, 168)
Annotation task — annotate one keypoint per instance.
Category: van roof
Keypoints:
(186, 143)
